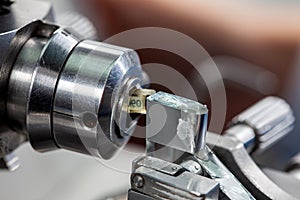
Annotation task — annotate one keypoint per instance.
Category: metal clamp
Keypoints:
(159, 179)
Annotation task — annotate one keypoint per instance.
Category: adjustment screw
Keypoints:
(137, 181)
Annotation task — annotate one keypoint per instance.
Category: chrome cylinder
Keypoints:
(16, 28)
(63, 93)
(32, 85)
(91, 96)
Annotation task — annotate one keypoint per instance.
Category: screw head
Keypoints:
(89, 120)
(137, 181)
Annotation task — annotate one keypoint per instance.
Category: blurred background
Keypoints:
(254, 44)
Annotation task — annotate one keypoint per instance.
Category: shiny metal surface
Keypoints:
(34, 80)
(192, 166)
(271, 119)
(236, 158)
(239, 177)
(93, 89)
(16, 28)
(179, 124)
(230, 186)
(73, 96)
(34, 29)
(21, 14)
(42, 89)
(20, 81)
(36, 101)
(32, 86)
(244, 134)
(164, 180)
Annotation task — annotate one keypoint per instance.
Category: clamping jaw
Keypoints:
(179, 163)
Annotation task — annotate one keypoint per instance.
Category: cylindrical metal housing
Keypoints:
(91, 97)
(74, 95)
(16, 28)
